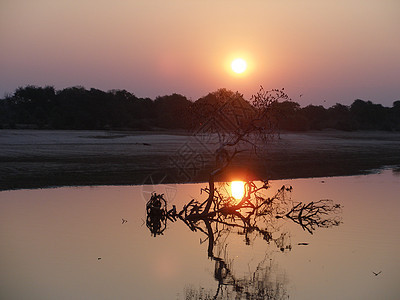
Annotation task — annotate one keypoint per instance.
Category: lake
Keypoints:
(93, 243)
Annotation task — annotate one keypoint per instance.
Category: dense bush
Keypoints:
(79, 108)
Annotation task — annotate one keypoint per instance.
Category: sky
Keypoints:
(321, 52)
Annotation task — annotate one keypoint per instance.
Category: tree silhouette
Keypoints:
(170, 111)
(79, 108)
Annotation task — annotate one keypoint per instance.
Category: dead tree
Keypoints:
(256, 128)
(323, 213)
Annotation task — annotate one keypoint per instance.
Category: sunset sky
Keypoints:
(327, 51)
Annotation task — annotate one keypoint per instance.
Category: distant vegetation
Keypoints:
(79, 108)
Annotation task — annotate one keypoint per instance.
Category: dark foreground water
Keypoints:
(71, 243)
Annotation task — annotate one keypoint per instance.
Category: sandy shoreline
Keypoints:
(40, 159)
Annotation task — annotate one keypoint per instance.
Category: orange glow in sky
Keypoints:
(328, 51)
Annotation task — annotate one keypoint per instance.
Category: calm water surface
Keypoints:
(70, 243)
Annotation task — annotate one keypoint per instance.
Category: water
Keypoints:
(70, 243)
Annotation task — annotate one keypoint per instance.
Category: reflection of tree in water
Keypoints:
(260, 284)
(256, 214)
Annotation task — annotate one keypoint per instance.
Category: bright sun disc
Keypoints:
(239, 65)
(237, 188)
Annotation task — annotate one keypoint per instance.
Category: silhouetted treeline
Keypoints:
(79, 108)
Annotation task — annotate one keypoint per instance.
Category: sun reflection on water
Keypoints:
(237, 189)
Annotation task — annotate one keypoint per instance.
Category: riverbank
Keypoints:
(41, 159)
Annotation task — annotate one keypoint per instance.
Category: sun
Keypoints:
(238, 65)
